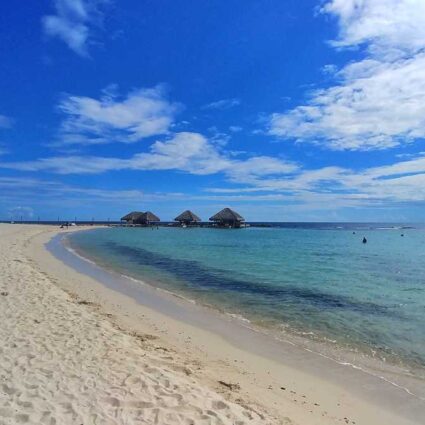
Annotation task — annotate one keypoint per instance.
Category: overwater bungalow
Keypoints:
(188, 218)
(147, 218)
(131, 217)
(228, 218)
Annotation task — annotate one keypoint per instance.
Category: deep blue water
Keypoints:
(316, 280)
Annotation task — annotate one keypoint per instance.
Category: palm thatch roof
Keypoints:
(131, 216)
(147, 217)
(188, 216)
(227, 215)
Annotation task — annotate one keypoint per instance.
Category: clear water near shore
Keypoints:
(321, 284)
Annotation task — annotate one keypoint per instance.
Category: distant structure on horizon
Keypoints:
(138, 217)
(188, 218)
(147, 218)
(131, 217)
(224, 218)
(228, 218)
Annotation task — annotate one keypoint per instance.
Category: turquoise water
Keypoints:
(321, 283)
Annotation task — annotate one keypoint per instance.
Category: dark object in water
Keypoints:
(402, 234)
(364, 239)
(354, 233)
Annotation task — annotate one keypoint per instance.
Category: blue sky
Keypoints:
(285, 111)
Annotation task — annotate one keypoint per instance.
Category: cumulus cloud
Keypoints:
(380, 24)
(378, 101)
(72, 22)
(185, 151)
(140, 114)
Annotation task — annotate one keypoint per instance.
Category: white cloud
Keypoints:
(188, 152)
(223, 104)
(68, 165)
(329, 69)
(142, 113)
(235, 128)
(218, 137)
(72, 22)
(381, 24)
(332, 187)
(258, 179)
(379, 101)
(396, 183)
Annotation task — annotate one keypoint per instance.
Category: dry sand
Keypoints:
(75, 352)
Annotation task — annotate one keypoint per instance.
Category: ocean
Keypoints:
(315, 283)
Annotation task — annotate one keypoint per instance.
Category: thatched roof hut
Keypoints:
(227, 217)
(130, 217)
(147, 218)
(188, 217)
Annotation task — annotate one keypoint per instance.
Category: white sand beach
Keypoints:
(73, 351)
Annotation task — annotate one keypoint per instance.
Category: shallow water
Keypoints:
(320, 283)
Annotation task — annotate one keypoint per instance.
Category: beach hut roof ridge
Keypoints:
(149, 216)
(227, 214)
(132, 215)
(187, 216)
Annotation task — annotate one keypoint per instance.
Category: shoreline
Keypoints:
(248, 338)
(287, 384)
(387, 372)
(65, 360)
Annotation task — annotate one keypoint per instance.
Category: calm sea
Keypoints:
(316, 281)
